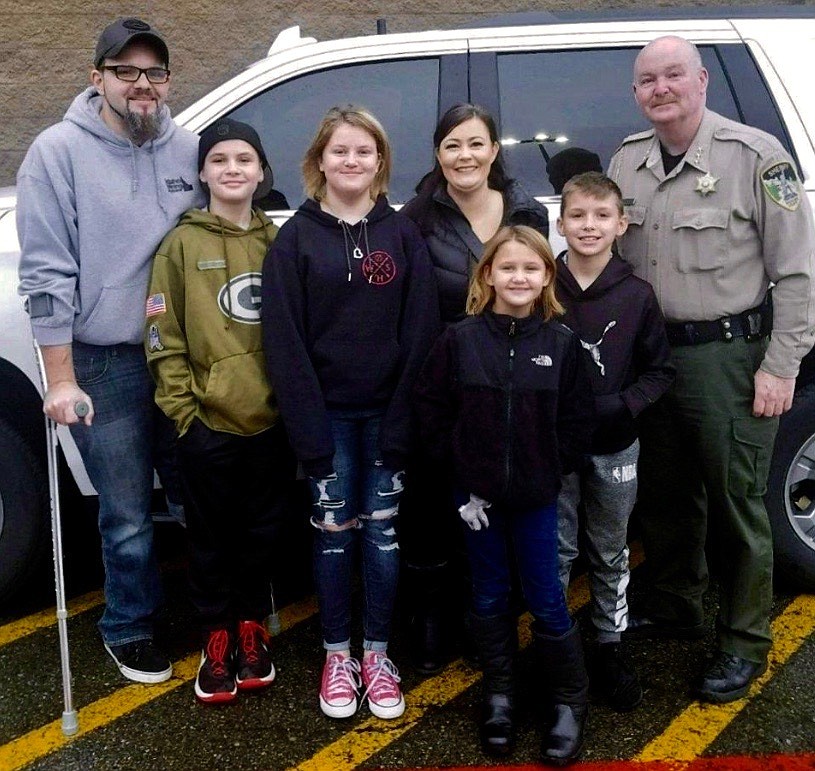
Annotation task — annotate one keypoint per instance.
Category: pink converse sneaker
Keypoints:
(381, 680)
(340, 686)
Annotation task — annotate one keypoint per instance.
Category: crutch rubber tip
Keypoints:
(70, 723)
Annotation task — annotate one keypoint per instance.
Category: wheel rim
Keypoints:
(799, 493)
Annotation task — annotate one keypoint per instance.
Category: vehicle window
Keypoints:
(403, 94)
(584, 96)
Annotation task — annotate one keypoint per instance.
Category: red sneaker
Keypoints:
(215, 681)
(254, 658)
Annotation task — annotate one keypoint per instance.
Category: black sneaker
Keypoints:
(254, 659)
(141, 661)
(215, 681)
(615, 678)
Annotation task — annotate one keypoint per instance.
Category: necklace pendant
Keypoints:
(357, 253)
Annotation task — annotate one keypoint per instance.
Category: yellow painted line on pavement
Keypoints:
(373, 735)
(49, 738)
(691, 732)
(45, 618)
(15, 630)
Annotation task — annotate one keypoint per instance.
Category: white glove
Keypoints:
(473, 512)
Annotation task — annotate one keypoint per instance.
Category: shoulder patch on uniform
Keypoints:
(781, 185)
(155, 305)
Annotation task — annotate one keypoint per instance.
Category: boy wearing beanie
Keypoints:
(203, 344)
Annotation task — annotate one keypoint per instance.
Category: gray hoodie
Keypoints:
(87, 196)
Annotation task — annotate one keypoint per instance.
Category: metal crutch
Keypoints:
(70, 722)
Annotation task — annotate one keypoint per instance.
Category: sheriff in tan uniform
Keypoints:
(716, 214)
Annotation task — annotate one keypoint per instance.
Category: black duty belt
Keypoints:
(752, 324)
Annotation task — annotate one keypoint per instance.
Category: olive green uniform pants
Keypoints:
(703, 471)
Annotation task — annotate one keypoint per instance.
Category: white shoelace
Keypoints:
(384, 679)
(342, 677)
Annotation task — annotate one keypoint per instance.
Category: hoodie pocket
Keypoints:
(238, 398)
(117, 316)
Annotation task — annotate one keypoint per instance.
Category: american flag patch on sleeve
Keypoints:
(156, 305)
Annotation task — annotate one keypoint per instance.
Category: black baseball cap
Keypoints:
(122, 32)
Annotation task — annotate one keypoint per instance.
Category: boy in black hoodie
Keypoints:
(622, 333)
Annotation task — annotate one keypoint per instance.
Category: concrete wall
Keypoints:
(46, 47)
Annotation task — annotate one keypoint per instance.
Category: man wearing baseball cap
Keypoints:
(96, 194)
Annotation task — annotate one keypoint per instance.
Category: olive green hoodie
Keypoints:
(202, 330)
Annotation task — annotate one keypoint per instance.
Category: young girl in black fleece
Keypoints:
(504, 399)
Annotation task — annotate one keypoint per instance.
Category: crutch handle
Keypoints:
(81, 409)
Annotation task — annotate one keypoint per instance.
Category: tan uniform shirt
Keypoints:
(711, 235)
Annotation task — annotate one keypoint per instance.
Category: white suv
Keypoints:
(551, 83)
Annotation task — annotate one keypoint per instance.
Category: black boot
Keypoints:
(564, 669)
(428, 629)
(616, 679)
(496, 640)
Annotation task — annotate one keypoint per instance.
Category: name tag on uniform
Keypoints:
(211, 264)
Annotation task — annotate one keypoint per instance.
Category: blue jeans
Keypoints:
(357, 504)
(117, 451)
(532, 534)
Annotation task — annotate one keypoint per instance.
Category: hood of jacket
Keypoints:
(85, 112)
(616, 271)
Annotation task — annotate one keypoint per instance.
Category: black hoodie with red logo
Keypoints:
(349, 313)
(627, 356)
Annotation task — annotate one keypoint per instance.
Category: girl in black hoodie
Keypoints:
(504, 399)
(349, 310)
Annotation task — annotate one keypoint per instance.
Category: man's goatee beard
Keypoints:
(142, 128)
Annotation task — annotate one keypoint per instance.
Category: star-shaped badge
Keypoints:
(706, 184)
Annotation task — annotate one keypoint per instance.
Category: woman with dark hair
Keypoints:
(460, 204)
(463, 201)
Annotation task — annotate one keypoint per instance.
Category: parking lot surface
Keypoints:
(125, 725)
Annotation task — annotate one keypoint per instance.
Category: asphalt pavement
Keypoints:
(131, 726)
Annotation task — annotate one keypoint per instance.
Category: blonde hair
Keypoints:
(314, 179)
(481, 294)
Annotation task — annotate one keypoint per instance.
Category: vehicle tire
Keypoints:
(24, 512)
(790, 498)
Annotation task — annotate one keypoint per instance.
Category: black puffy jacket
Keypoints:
(455, 249)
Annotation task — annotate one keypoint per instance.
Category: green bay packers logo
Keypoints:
(239, 300)
(781, 185)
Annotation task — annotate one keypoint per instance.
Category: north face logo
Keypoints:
(542, 360)
(179, 185)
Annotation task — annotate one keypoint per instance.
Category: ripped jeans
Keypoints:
(358, 504)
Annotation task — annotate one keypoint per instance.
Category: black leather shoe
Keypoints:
(729, 677)
(497, 728)
(643, 627)
(565, 738)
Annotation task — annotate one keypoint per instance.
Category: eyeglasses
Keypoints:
(130, 73)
